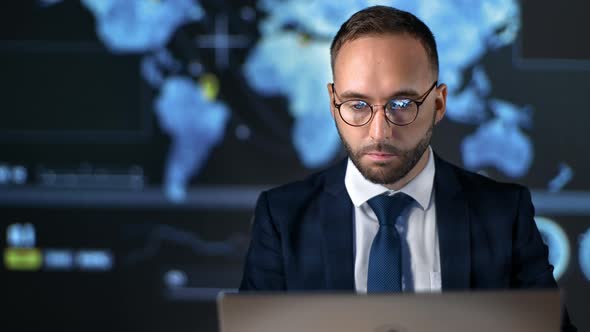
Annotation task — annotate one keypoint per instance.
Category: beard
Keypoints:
(385, 172)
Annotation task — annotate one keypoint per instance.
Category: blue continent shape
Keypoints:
(584, 254)
(140, 25)
(500, 142)
(195, 123)
(500, 145)
(292, 59)
(300, 72)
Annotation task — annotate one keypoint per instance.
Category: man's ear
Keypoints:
(331, 94)
(440, 103)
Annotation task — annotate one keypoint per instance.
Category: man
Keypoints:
(394, 216)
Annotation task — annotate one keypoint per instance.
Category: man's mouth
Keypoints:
(379, 155)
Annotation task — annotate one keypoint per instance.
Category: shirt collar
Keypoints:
(361, 190)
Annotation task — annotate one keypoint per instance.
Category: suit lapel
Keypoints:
(336, 213)
(452, 218)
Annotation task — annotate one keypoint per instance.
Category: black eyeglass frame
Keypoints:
(418, 102)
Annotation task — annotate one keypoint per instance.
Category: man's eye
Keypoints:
(358, 105)
(399, 104)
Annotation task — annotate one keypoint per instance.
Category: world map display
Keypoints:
(291, 59)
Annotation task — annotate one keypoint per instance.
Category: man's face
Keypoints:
(376, 69)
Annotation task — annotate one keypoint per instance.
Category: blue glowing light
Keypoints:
(139, 25)
(556, 240)
(584, 254)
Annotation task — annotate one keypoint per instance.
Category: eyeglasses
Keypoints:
(399, 111)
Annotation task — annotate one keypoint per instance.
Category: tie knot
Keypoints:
(388, 208)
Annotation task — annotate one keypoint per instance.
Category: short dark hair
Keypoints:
(378, 20)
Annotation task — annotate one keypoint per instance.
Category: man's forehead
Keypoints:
(377, 52)
(381, 50)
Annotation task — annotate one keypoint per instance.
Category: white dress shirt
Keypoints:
(417, 228)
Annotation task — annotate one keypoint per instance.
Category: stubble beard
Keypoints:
(384, 172)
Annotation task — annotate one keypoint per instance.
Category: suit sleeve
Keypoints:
(263, 267)
(531, 267)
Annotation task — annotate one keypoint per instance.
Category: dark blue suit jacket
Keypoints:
(302, 235)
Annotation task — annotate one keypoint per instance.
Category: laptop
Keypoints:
(479, 311)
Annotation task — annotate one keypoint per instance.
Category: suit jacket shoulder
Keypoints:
(473, 183)
(289, 199)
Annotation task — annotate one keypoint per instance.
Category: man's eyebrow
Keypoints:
(349, 94)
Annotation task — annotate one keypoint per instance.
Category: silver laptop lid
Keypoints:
(481, 311)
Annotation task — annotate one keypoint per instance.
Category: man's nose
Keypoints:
(379, 127)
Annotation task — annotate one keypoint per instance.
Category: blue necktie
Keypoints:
(385, 258)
